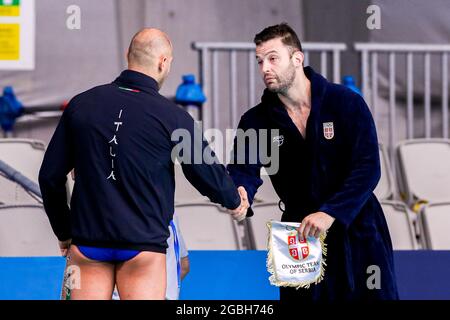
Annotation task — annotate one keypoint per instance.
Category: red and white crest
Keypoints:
(294, 247)
(328, 130)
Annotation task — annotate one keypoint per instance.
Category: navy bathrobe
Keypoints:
(333, 169)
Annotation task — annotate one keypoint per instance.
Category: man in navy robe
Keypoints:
(328, 167)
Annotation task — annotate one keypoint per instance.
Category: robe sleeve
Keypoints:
(245, 167)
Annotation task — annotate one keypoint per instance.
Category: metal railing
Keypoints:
(210, 72)
(370, 56)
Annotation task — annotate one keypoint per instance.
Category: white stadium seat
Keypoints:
(207, 226)
(425, 170)
(23, 155)
(13, 193)
(400, 225)
(263, 213)
(386, 187)
(184, 190)
(435, 225)
(26, 232)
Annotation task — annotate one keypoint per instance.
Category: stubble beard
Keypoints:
(285, 81)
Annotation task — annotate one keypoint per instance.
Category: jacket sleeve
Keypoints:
(57, 163)
(201, 166)
(365, 171)
(244, 171)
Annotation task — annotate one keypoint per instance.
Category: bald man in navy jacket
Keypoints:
(328, 168)
(120, 138)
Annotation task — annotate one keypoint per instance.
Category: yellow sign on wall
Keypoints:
(17, 34)
(9, 8)
(9, 41)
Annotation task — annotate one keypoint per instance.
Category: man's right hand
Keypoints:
(240, 212)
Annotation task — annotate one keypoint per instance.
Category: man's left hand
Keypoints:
(64, 247)
(315, 224)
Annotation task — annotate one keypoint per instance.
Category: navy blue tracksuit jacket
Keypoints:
(335, 170)
(118, 138)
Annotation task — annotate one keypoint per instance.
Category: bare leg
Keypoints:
(143, 277)
(87, 279)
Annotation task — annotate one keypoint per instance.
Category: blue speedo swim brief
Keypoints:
(108, 254)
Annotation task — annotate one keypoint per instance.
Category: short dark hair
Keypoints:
(283, 31)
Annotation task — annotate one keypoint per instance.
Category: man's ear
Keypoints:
(299, 58)
(162, 63)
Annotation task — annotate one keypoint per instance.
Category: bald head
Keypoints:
(147, 46)
(150, 52)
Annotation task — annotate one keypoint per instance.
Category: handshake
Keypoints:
(240, 212)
